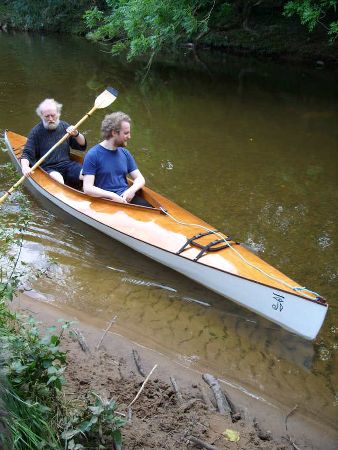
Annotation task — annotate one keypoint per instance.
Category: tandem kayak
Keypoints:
(174, 237)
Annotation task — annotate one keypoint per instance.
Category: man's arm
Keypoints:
(90, 189)
(78, 137)
(138, 183)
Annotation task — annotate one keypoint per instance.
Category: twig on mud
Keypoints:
(81, 339)
(292, 443)
(138, 363)
(120, 363)
(142, 387)
(129, 414)
(293, 410)
(222, 404)
(235, 414)
(189, 404)
(177, 391)
(202, 444)
(105, 332)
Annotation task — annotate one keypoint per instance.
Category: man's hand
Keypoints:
(129, 194)
(118, 198)
(72, 131)
(26, 170)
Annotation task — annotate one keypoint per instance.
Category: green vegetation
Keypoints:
(156, 25)
(315, 12)
(31, 367)
(138, 27)
(42, 15)
(98, 422)
(149, 27)
(33, 413)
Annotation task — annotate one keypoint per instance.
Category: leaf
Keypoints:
(69, 434)
(51, 379)
(97, 410)
(231, 435)
(54, 340)
(117, 437)
(51, 370)
(84, 426)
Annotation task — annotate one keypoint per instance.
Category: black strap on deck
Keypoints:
(212, 246)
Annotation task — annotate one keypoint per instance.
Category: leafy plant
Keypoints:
(24, 417)
(37, 15)
(32, 364)
(97, 423)
(148, 27)
(36, 364)
(314, 12)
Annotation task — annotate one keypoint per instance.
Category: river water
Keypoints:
(251, 147)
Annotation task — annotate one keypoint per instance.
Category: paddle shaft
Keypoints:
(41, 160)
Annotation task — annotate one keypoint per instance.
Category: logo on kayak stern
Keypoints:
(279, 299)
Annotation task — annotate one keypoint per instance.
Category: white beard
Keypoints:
(50, 125)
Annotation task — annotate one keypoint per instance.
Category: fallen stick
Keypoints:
(119, 367)
(189, 404)
(177, 391)
(81, 339)
(235, 415)
(105, 332)
(202, 444)
(293, 410)
(129, 414)
(142, 387)
(222, 404)
(138, 363)
(292, 443)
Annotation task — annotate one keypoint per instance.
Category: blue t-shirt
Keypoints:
(110, 168)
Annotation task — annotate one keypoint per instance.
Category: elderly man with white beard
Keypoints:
(44, 135)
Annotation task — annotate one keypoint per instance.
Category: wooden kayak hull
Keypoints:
(158, 236)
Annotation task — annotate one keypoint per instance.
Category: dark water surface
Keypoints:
(251, 148)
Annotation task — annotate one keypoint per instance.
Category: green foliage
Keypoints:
(32, 365)
(314, 12)
(36, 364)
(34, 368)
(147, 27)
(24, 423)
(48, 15)
(26, 414)
(97, 423)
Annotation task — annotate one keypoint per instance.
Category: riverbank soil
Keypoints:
(176, 408)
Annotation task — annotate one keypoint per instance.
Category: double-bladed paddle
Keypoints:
(105, 99)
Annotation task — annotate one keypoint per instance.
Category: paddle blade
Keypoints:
(106, 98)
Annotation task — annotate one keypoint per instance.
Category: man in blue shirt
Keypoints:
(44, 135)
(106, 165)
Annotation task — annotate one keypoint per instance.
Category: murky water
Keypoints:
(251, 148)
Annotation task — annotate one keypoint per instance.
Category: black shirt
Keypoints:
(40, 140)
